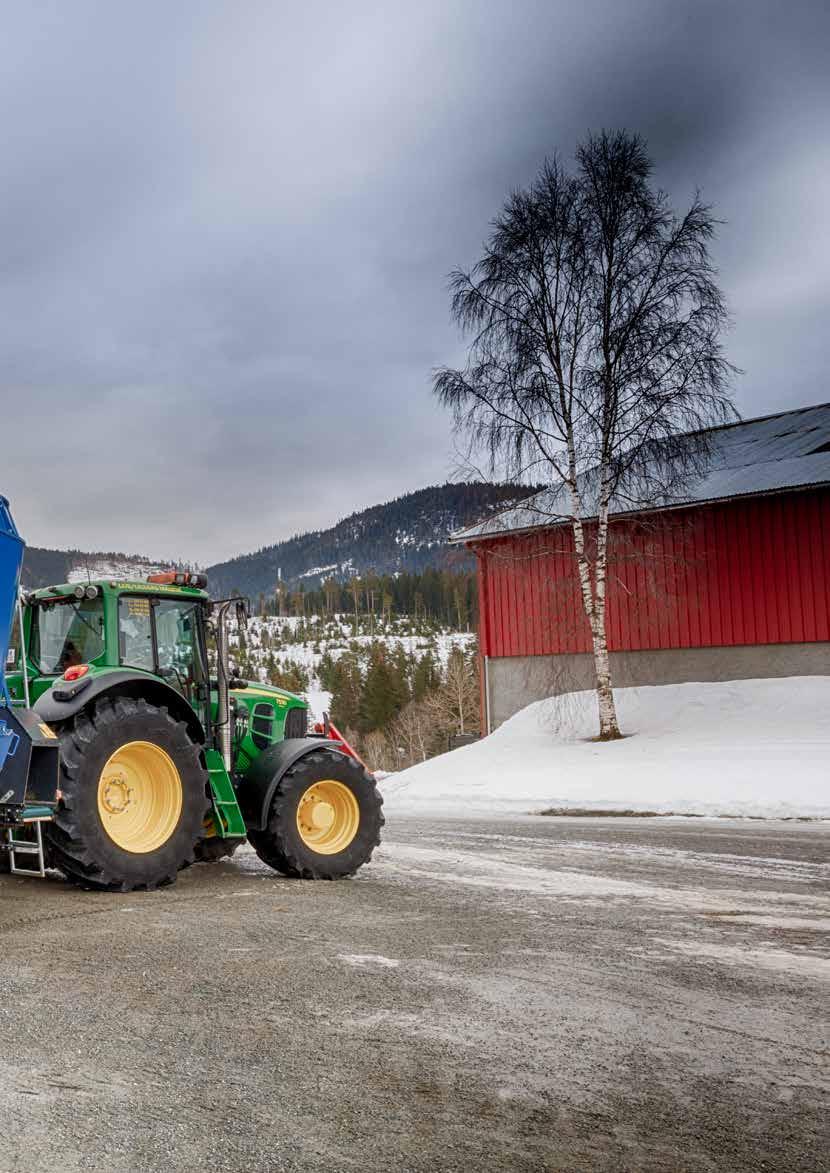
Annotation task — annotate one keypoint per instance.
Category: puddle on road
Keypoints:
(817, 924)
(368, 960)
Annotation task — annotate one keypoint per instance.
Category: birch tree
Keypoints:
(454, 706)
(411, 732)
(594, 321)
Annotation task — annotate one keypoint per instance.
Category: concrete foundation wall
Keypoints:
(516, 681)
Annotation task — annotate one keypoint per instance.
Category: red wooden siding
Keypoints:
(744, 572)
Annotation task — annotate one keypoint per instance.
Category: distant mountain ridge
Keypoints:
(43, 567)
(407, 534)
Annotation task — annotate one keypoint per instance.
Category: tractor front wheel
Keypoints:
(134, 797)
(325, 819)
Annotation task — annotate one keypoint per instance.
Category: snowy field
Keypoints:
(334, 637)
(748, 748)
(337, 636)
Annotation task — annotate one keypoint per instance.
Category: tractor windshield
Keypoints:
(64, 634)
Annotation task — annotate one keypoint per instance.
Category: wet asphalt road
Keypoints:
(544, 994)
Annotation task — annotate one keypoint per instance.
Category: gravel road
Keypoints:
(539, 994)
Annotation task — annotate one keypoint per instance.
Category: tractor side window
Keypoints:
(64, 634)
(177, 639)
(135, 633)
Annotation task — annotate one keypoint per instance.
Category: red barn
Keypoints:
(729, 580)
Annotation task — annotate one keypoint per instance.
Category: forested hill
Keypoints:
(43, 567)
(407, 534)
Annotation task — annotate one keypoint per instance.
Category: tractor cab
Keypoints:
(76, 631)
(167, 628)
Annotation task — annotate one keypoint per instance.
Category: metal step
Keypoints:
(17, 847)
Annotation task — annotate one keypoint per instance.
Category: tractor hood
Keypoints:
(270, 692)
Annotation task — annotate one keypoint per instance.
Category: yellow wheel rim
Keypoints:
(328, 817)
(139, 797)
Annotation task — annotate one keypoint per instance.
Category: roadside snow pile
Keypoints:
(747, 747)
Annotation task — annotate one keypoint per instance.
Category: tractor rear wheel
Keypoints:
(134, 797)
(325, 819)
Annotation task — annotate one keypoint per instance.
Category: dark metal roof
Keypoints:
(771, 454)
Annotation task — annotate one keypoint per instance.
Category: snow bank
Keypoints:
(748, 747)
(319, 702)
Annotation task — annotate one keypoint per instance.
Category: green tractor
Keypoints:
(161, 761)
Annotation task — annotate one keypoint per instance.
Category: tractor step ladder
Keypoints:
(227, 815)
(17, 847)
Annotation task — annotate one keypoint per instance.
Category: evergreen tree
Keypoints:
(347, 691)
(427, 676)
(384, 692)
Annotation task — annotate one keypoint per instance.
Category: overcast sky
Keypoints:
(225, 230)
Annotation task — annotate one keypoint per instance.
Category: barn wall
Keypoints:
(517, 681)
(741, 573)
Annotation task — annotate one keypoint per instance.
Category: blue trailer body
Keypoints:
(28, 748)
(11, 560)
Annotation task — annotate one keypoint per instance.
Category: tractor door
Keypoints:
(166, 637)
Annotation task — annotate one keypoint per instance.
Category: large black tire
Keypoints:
(77, 841)
(281, 845)
(216, 848)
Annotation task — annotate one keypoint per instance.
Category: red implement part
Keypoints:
(335, 735)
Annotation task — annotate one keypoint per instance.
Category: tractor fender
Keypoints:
(256, 790)
(53, 708)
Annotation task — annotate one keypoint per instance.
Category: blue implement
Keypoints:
(11, 560)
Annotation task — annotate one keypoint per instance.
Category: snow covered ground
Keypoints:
(294, 640)
(319, 702)
(749, 747)
(336, 636)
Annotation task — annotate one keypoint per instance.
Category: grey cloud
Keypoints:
(225, 232)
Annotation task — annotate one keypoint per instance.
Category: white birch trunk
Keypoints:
(593, 601)
(608, 724)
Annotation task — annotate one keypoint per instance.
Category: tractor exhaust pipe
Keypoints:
(223, 714)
